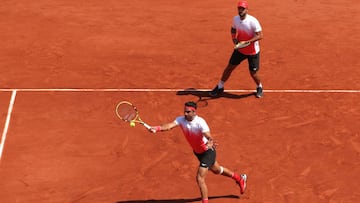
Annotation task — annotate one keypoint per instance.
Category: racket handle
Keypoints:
(148, 127)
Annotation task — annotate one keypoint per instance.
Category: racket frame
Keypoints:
(136, 119)
(241, 45)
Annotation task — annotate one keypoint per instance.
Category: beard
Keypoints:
(243, 13)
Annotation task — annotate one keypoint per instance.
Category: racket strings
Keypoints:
(127, 112)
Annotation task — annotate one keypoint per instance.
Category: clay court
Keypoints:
(66, 64)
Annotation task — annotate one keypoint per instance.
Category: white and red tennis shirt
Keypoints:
(246, 30)
(193, 132)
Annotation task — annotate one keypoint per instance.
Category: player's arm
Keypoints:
(258, 36)
(233, 35)
(210, 139)
(163, 127)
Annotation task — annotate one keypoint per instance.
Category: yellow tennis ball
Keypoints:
(132, 124)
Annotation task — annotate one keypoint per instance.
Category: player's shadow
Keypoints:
(179, 200)
(204, 96)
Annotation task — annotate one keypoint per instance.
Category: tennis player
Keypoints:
(197, 133)
(245, 28)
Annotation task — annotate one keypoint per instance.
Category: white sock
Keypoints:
(221, 84)
(260, 85)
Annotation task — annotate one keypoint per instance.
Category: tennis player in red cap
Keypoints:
(245, 29)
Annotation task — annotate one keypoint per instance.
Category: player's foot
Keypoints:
(259, 92)
(216, 91)
(242, 183)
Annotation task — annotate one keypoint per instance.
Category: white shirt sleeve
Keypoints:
(257, 26)
(204, 125)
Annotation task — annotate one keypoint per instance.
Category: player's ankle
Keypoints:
(235, 176)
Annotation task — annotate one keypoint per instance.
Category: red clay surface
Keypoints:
(70, 146)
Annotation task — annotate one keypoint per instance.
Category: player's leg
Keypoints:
(200, 179)
(254, 67)
(239, 179)
(235, 59)
(206, 159)
(219, 88)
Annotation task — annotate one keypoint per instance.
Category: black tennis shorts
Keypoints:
(253, 60)
(207, 158)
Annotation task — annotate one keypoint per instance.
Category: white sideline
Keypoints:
(3, 137)
(171, 90)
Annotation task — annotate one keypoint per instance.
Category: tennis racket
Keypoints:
(127, 112)
(241, 45)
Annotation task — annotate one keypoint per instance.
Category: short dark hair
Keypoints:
(191, 104)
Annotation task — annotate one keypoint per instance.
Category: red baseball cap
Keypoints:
(243, 4)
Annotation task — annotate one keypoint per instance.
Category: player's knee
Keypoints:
(219, 171)
(200, 179)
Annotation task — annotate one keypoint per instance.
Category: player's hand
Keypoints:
(152, 129)
(211, 144)
(235, 41)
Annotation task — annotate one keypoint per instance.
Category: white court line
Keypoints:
(3, 138)
(171, 90)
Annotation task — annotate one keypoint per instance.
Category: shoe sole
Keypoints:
(259, 94)
(244, 177)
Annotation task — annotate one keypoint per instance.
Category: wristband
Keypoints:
(158, 128)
